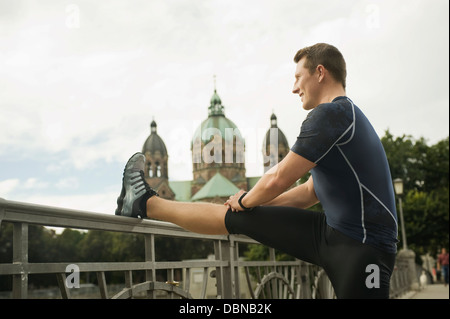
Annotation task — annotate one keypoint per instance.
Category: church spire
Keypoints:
(153, 126)
(215, 108)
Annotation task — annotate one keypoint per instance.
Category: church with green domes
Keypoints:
(218, 159)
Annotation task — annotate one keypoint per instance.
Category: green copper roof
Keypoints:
(182, 190)
(218, 186)
(215, 106)
(216, 123)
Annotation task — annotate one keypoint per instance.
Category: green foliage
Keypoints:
(74, 246)
(259, 252)
(425, 172)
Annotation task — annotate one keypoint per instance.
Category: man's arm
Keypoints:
(302, 196)
(275, 181)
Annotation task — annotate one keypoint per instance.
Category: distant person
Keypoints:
(442, 265)
(355, 239)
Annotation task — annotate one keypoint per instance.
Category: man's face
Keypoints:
(306, 86)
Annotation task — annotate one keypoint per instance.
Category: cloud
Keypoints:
(7, 186)
(67, 183)
(34, 184)
(12, 185)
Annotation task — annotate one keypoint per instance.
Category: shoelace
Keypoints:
(140, 184)
(147, 187)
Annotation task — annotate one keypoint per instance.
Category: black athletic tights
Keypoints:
(305, 235)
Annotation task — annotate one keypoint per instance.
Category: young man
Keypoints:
(354, 237)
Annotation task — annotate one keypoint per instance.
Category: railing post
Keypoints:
(102, 284)
(274, 288)
(305, 280)
(20, 257)
(235, 269)
(408, 257)
(2, 213)
(61, 279)
(219, 270)
(225, 275)
(150, 274)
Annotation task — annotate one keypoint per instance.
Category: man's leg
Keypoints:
(291, 230)
(356, 270)
(202, 218)
(445, 271)
(294, 231)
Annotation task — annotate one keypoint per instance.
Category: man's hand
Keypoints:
(233, 203)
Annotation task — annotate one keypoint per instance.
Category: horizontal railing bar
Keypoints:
(76, 219)
(243, 239)
(190, 264)
(69, 218)
(49, 268)
(269, 263)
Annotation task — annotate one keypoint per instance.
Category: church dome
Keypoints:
(217, 147)
(154, 142)
(216, 123)
(282, 140)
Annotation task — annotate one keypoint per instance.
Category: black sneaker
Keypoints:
(135, 190)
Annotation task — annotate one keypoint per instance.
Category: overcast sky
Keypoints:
(80, 81)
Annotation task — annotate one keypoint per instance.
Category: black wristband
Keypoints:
(240, 202)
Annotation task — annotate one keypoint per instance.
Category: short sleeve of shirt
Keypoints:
(325, 125)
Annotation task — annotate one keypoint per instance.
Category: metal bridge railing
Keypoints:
(226, 272)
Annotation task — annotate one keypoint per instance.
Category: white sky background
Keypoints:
(80, 81)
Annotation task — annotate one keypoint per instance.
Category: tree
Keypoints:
(425, 172)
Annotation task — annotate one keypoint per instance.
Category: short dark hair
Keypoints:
(327, 55)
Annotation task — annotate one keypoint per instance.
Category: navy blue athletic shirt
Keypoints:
(352, 179)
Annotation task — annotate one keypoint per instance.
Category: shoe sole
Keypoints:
(122, 195)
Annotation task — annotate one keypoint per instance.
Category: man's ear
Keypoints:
(320, 72)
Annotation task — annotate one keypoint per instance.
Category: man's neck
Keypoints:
(333, 93)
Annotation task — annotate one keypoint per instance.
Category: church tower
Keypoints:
(218, 148)
(156, 164)
(275, 145)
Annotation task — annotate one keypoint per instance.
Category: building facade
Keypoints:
(218, 158)
(156, 164)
